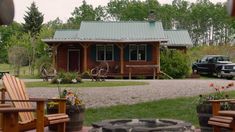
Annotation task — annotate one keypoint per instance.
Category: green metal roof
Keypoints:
(130, 31)
(65, 34)
(124, 31)
(178, 38)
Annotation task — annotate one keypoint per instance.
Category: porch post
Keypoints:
(158, 58)
(85, 46)
(122, 59)
(121, 47)
(54, 54)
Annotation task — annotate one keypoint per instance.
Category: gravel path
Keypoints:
(155, 90)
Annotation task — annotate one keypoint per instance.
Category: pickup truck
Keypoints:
(217, 65)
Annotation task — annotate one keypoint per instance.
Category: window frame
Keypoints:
(138, 48)
(105, 51)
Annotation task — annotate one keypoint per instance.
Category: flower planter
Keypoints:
(76, 116)
(204, 112)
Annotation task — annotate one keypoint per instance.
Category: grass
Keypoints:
(179, 108)
(24, 71)
(87, 84)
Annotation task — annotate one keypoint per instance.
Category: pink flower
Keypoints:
(211, 85)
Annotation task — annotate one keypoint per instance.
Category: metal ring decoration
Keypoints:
(7, 12)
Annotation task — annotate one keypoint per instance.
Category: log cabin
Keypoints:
(131, 48)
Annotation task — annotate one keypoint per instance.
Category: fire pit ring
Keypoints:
(142, 125)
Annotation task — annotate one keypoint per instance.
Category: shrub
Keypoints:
(175, 63)
(67, 77)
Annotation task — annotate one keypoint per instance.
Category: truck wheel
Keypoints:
(219, 75)
(195, 71)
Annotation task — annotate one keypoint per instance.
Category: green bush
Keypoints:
(175, 63)
(67, 77)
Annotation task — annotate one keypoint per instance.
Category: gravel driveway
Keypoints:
(155, 90)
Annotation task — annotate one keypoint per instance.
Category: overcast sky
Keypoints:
(63, 8)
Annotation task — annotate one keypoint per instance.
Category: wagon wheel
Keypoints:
(104, 69)
(47, 71)
(104, 66)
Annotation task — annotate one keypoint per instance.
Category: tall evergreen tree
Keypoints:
(33, 24)
(33, 20)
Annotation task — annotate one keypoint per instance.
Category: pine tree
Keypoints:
(33, 24)
(33, 21)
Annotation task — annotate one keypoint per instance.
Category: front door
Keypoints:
(74, 60)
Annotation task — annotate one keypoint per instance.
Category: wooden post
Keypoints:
(122, 59)
(215, 108)
(40, 116)
(85, 47)
(130, 70)
(54, 54)
(10, 122)
(158, 59)
(154, 73)
(3, 96)
(121, 47)
(62, 109)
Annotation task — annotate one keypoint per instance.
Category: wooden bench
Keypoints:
(142, 66)
(222, 118)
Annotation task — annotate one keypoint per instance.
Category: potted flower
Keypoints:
(75, 108)
(204, 108)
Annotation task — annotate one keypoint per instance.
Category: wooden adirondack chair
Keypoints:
(222, 118)
(20, 117)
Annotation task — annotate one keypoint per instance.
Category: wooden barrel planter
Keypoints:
(204, 112)
(75, 113)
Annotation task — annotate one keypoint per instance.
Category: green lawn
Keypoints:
(179, 108)
(87, 84)
(24, 71)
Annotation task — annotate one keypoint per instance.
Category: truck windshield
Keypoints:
(222, 58)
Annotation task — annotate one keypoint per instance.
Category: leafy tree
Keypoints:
(33, 24)
(100, 13)
(83, 13)
(19, 51)
(54, 24)
(5, 34)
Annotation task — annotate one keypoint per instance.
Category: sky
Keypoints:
(63, 8)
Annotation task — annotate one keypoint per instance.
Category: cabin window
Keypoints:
(104, 52)
(137, 52)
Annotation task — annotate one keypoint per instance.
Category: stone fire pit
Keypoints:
(142, 125)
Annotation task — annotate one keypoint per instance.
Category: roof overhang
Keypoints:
(177, 45)
(50, 41)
